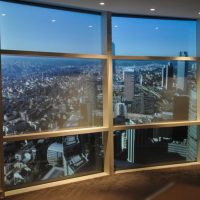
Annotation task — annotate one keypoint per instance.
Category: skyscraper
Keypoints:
(120, 109)
(182, 70)
(90, 94)
(120, 113)
(131, 145)
(192, 139)
(167, 76)
(164, 76)
(129, 85)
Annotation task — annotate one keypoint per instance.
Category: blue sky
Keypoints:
(155, 37)
(35, 28)
(41, 29)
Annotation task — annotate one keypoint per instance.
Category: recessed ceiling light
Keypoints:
(102, 3)
(116, 26)
(199, 13)
(3, 14)
(53, 20)
(90, 26)
(156, 28)
(152, 9)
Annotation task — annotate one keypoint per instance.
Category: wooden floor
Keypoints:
(130, 186)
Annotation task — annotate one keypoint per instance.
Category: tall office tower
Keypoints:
(120, 110)
(124, 141)
(167, 76)
(163, 81)
(182, 70)
(120, 113)
(192, 143)
(90, 94)
(138, 104)
(141, 79)
(131, 145)
(129, 85)
(170, 76)
(183, 54)
(192, 139)
(192, 112)
(149, 104)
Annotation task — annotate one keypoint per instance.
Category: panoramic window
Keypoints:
(59, 90)
(139, 148)
(45, 94)
(154, 91)
(34, 28)
(32, 161)
(153, 37)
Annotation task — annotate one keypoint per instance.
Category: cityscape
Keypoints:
(51, 94)
(153, 91)
(58, 99)
(28, 162)
(46, 94)
(139, 148)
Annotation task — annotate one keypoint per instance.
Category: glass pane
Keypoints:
(48, 94)
(34, 28)
(153, 37)
(43, 160)
(154, 91)
(159, 146)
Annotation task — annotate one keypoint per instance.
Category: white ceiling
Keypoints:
(166, 8)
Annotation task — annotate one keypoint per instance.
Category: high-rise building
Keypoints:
(90, 94)
(120, 110)
(131, 145)
(138, 103)
(164, 77)
(141, 79)
(192, 139)
(124, 141)
(129, 85)
(182, 71)
(170, 76)
(149, 103)
(192, 112)
(167, 76)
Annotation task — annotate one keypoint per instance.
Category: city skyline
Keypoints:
(138, 148)
(62, 104)
(51, 94)
(153, 91)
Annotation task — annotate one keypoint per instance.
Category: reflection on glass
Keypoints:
(153, 37)
(149, 147)
(28, 162)
(33, 28)
(154, 91)
(41, 94)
